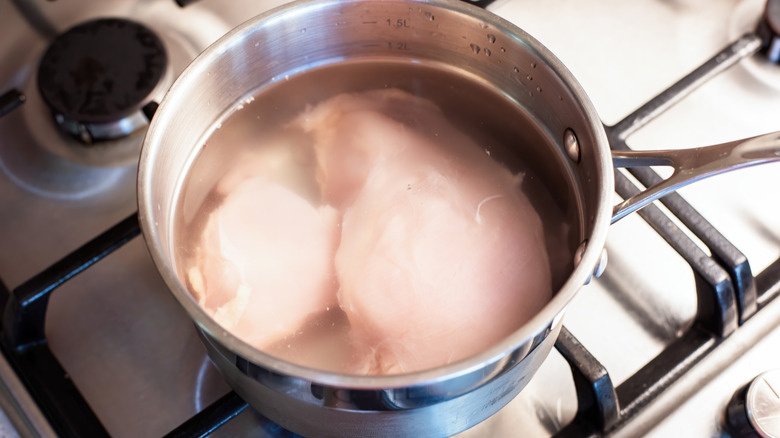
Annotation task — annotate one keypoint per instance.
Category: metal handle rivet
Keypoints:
(572, 145)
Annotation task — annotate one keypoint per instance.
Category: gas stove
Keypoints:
(660, 345)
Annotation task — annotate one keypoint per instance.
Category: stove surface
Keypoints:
(134, 354)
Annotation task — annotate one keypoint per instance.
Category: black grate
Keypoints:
(10, 101)
(727, 292)
(211, 418)
(24, 342)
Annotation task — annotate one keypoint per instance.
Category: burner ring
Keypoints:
(97, 77)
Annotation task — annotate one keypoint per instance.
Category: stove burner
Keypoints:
(98, 76)
(769, 31)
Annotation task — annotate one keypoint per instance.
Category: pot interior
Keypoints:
(491, 80)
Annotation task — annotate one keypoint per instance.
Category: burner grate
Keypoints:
(212, 417)
(24, 341)
(10, 101)
(727, 292)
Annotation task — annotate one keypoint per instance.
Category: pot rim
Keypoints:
(550, 313)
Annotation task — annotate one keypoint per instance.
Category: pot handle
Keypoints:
(692, 165)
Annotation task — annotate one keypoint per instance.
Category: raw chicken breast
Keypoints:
(345, 143)
(441, 255)
(265, 262)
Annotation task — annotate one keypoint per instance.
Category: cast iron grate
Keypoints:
(728, 293)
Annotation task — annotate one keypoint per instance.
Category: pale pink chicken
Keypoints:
(441, 255)
(265, 261)
(345, 142)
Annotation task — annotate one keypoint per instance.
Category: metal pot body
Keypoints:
(438, 402)
(426, 410)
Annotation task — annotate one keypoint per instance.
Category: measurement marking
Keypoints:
(370, 22)
(770, 388)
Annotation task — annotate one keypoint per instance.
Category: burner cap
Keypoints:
(97, 77)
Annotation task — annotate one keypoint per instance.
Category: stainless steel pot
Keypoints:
(298, 36)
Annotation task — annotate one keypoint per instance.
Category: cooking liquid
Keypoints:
(258, 130)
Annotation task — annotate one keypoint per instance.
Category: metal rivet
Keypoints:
(579, 253)
(572, 145)
(602, 264)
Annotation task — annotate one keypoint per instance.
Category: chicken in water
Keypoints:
(441, 255)
(264, 264)
(426, 244)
